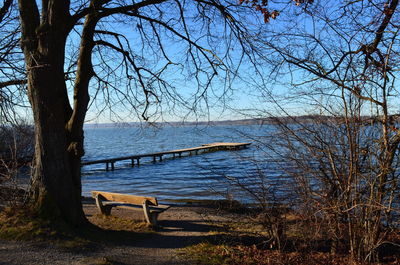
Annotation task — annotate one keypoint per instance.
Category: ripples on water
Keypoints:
(195, 177)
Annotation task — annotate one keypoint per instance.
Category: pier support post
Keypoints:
(112, 166)
(160, 158)
(106, 166)
(154, 159)
(137, 162)
(132, 162)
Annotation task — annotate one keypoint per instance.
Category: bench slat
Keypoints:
(110, 196)
(159, 208)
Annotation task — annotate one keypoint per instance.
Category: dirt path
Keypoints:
(181, 226)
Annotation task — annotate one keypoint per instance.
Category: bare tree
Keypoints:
(120, 53)
(340, 58)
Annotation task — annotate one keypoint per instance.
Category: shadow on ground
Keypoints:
(171, 235)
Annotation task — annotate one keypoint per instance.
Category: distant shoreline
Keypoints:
(256, 121)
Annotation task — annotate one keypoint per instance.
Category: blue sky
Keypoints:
(248, 94)
(218, 103)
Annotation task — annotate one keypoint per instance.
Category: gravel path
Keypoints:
(181, 226)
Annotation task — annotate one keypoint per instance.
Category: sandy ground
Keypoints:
(181, 226)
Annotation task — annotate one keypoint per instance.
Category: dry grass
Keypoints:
(22, 224)
(116, 223)
(207, 253)
(247, 243)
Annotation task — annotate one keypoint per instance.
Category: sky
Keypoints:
(249, 89)
(230, 96)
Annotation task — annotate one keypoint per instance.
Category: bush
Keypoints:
(16, 149)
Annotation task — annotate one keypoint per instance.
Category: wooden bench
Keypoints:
(105, 201)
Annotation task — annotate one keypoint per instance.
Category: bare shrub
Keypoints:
(346, 179)
(16, 149)
(338, 62)
(266, 197)
(331, 183)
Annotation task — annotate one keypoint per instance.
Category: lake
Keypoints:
(200, 176)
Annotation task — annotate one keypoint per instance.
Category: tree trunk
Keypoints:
(56, 184)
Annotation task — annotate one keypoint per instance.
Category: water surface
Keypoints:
(194, 177)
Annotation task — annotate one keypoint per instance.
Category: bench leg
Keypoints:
(146, 211)
(151, 217)
(104, 209)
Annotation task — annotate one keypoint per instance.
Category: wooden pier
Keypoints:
(178, 152)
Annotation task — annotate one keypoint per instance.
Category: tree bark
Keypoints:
(55, 183)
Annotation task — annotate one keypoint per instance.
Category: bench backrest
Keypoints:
(126, 198)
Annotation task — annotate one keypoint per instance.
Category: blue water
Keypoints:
(200, 176)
